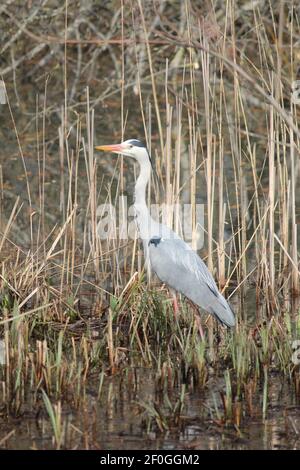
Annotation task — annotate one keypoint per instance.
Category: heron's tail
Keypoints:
(222, 310)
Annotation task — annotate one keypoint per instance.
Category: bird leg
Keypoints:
(175, 304)
(198, 322)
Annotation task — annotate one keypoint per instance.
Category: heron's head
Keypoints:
(130, 148)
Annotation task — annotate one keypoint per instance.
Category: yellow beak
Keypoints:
(117, 148)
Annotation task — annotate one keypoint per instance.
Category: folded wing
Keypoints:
(176, 264)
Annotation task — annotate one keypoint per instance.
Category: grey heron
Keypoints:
(172, 259)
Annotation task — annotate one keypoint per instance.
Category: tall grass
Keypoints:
(219, 119)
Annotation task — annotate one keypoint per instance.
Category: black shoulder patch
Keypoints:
(154, 241)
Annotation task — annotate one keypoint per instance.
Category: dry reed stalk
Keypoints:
(272, 184)
(168, 160)
(154, 91)
(294, 247)
(91, 167)
(178, 144)
(205, 62)
(110, 342)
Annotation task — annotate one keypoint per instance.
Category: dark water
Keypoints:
(117, 421)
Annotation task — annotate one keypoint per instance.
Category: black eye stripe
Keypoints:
(137, 143)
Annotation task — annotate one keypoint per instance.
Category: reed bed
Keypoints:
(213, 92)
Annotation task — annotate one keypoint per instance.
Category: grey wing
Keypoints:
(176, 264)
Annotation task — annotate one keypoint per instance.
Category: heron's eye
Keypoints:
(130, 146)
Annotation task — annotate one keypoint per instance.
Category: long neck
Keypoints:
(141, 185)
(143, 218)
